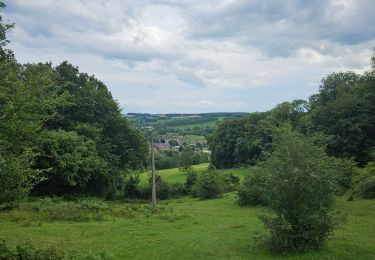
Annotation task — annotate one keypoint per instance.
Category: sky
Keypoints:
(191, 56)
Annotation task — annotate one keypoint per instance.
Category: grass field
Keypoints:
(175, 175)
(185, 229)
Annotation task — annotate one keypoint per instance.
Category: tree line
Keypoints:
(342, 114)
(61, 131)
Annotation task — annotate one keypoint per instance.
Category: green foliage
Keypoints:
(191, 178)
(27, 250)
(173, 142)
(182, 124)
(131, 186)
(187, 159)
(164, 190)
(366, 188)
(227, 142)
(300, 190)
(15, 175)
(253, 188)
(249, 140)
(345, 109)
(230, 182)
(364, 181)
(166, 160)
(58, 209)
(4, 29)
(65, 124)
(70, 161)
(208, 185)
(344, 171)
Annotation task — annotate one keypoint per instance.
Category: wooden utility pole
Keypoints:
(153, 173)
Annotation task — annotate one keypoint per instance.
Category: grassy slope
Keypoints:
(192, 229)
(175, 175)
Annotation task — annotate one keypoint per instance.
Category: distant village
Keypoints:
(177, 143)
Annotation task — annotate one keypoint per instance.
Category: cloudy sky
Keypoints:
(164, 56)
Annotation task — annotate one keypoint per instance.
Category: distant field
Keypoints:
(176, 175)
(194, 138)
(181, 121)
(185, 229)
(173, 175)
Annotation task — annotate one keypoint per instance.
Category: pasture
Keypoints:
(181, 229)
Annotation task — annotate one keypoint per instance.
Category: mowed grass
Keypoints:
(176, 175)
(188, 229)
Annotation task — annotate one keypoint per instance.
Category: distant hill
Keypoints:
(185, 124)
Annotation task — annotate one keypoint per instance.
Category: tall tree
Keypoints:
(345, 110)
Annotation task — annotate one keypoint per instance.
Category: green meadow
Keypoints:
(176, 175)
(183, 228)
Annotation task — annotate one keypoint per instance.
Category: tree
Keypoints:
(300, 190)
(364, 181)
(208, 185)
(69, 161)
(191, 178)
(186, 160)
(345, 110)
(4, 29)
(252, 190)
(15, 175)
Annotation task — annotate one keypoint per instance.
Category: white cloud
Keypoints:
(179, 56)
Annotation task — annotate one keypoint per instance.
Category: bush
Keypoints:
(252, 190)
(131, 183)
(366, 188)
(301, 191)
(177, 190)
(211, 166)
(28, 251)
(164, 190)
(208, 185)
(343, 174)
(231, 182)
(58, 209)
(15, 176)
(364, 181)
(191, 178)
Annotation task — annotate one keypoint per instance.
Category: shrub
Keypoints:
(300, 190)
(27, 250)
(5, 251)
(57, 209)
(343, 174)
(208, 185)
(252, 190)
(15, 176)
(211, 166)
(231, 182)
(177, 190)
(164, 190)
(191, 178)
(366, 188)
(364, 181)
(131, 183)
